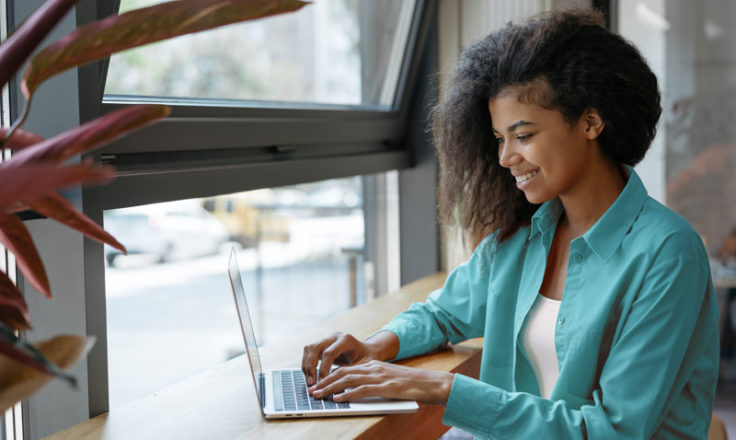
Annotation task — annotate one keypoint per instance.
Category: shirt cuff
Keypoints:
(472, 406)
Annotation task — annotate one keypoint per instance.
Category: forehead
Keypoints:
(507, 110)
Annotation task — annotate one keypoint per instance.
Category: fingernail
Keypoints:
(310, 381)
(337, 398)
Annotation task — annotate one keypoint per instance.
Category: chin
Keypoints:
(536, 198)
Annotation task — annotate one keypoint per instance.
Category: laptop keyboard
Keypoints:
(290, 394)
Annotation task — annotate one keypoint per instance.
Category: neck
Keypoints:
(591, 197)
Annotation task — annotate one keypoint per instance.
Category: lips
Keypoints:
(521, 178)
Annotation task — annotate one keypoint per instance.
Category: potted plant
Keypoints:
(31, 178)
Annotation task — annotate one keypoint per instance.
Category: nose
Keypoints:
(506, 155)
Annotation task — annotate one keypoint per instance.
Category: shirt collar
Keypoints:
(607, 233)
(545, 219)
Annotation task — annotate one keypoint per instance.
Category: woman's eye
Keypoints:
(524, 137)
(499, 140)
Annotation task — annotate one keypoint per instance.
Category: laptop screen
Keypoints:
(251, 346)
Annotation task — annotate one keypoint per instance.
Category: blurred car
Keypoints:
(250, 217)
(166, 231)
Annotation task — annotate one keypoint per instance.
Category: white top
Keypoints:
(538, 338)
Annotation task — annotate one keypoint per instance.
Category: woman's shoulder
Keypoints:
(663, 231)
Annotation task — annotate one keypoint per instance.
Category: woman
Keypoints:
(595, 301)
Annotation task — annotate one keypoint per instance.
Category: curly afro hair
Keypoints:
(565, 61)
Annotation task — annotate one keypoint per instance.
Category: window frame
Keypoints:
(194, 138)
(311, 143)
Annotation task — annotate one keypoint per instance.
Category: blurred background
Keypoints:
(170, 310)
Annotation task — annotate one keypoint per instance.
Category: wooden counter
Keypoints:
(221, 403)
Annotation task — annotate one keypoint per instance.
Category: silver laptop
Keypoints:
(283, 393)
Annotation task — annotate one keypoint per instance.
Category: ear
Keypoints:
(593, 124)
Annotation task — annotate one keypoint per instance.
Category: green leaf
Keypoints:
(142, 26)
(58, 208)
(90, 135)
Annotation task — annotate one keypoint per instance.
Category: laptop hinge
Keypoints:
(262, 380)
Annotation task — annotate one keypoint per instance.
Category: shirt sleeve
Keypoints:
(669, 329)
(451, 314)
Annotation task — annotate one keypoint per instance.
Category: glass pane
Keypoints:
(346, 52)
(170, 309)
(691, 47)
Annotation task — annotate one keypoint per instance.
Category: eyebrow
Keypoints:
(516, 125)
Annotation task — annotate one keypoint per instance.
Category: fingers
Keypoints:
(333, 377)
(312, 355)
(339, 382)
(340, 347)
(361, 392)
(381, 379)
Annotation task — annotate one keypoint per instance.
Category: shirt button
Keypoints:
(561, 321)
(577, 258)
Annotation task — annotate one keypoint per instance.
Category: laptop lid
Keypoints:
(246, 326)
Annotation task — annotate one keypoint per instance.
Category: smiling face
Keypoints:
(548, 156)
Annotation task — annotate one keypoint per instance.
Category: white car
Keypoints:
(166, 231)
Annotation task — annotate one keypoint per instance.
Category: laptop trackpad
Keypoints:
(377, 400)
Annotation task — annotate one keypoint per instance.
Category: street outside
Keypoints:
(169, 321)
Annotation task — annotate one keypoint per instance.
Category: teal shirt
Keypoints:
(636, 335)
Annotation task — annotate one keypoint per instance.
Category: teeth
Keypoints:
(525, 177)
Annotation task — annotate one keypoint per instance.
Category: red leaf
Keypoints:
(28, 181)
(57, 207)
(13, 315)
(16, 238)
(48, 358)
(90, 135)
(18, 47)
(20, 139)
(142, 26)
(12, 352)
(13, 307)
(15, 207)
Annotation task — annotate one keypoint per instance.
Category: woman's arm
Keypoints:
(455, 313)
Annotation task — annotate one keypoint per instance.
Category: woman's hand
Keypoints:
(344, 349)
(381, 379)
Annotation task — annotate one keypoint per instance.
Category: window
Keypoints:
(345, 113)
(170, 310)
(343, 52)
(212, 146)
(11, 421)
